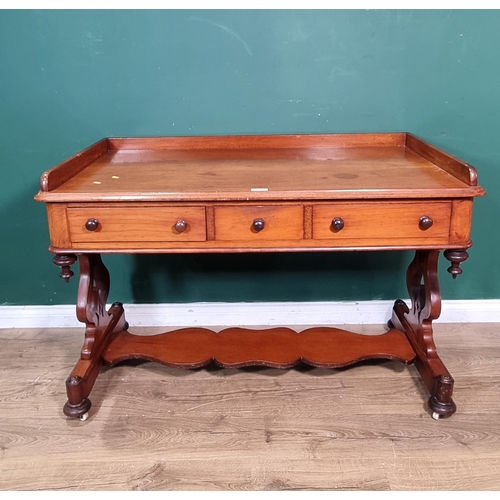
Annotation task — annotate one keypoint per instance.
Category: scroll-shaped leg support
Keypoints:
(100, 327)
(423, 287)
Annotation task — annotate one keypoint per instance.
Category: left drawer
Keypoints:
(136, 224)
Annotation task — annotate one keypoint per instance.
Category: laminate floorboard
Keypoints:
(151, 427)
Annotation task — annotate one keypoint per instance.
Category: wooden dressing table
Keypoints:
(288, 193)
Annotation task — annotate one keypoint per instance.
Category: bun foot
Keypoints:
(441, 410)
(78, 410)
(440, 402)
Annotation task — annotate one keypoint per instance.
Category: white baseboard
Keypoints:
(216, 314)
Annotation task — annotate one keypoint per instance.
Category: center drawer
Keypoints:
(135, 224)
(258, 223)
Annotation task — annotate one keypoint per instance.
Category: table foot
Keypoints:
(101, 325)
(416, 323)
(82, 379)
(79, 410)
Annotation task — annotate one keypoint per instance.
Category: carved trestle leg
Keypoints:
(416, 322)
(100, 327)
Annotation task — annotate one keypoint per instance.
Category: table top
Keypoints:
(286, 167)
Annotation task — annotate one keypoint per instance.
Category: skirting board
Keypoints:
(216, 314)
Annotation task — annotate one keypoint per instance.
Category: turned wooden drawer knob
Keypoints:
(258, 225)
(91, 224)
(181, 225)
(425, 222)
(337, 224)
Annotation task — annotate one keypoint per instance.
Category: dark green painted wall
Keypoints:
(69, 78)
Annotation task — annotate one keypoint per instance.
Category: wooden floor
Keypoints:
(156, 428)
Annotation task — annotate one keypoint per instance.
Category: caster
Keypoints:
(83, 417)
(436, 415)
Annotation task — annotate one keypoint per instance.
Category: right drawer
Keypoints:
(372, 222)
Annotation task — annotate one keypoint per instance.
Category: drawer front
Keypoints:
(259, 223)
(383, 221)
(136, 224)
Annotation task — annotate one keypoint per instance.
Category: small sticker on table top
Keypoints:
(115, 177)
(259, 189)
(96, 182)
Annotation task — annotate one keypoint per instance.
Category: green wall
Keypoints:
(69, 78)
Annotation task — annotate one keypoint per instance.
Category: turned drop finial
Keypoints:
(456, 257)
(65, 261)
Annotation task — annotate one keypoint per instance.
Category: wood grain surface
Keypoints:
(153, 175)
(233, 223)
(336, 166)
(383, 220)
(137, 224)
(158, 428)
(273, 347)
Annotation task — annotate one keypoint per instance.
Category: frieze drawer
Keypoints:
(136, 224)
(259, 223)
(372, 221)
